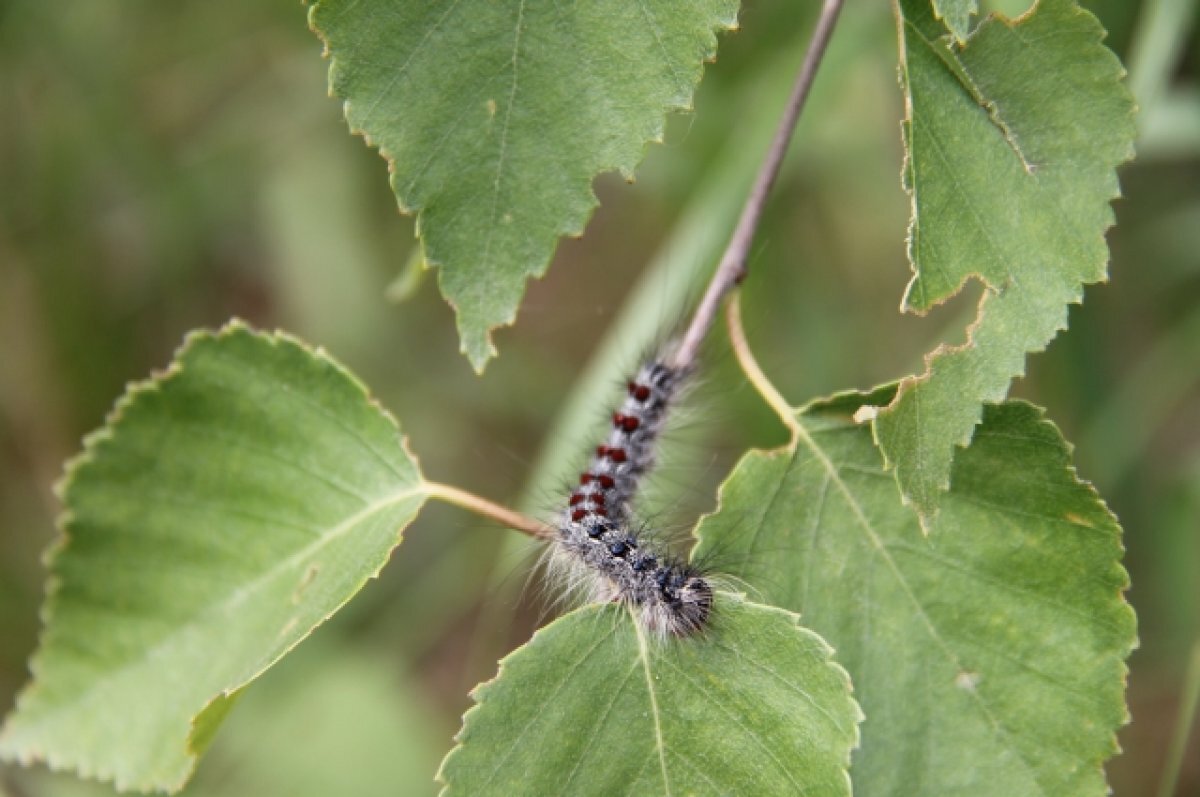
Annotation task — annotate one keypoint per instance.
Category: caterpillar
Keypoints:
(597, 533)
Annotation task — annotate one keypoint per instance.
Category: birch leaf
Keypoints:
(495, 116)
(590, 706)
(229, 506)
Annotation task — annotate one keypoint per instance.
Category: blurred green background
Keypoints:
(165, 166)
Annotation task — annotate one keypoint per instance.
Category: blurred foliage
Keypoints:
(168, 165)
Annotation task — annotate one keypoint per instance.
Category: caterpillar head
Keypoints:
(694, 604)
(684, 606)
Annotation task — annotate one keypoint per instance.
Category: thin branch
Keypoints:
(488, 509)
(745, 358)
(732, 268)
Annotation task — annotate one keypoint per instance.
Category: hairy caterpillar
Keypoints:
(596, 533)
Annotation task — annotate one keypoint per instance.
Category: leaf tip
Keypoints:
(478, 348)
(956, 16)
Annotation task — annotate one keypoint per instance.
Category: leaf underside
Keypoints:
(590, 706)
(229, 506)
(496, 116)
(1012, 143)
(988, 655)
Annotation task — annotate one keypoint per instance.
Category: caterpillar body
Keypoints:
(597, 532)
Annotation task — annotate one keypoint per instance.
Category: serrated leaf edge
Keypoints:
(1065, 450)
(961, 34)
(905, 385)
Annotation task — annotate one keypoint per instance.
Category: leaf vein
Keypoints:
(644, 653)
(548, 701)
(700, 690)
(877, 543)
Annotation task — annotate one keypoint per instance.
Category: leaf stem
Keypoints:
(732, 269)
(482, 506)
(754, 373)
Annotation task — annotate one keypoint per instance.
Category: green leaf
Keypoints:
(591, 706)
(229, 506)
(495, 117)
(1012, 144)
(957, 15)
(989, 655)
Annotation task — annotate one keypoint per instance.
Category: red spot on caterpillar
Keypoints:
(670, 597)
(626, 423)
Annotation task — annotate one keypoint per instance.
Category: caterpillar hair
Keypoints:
(598, 537)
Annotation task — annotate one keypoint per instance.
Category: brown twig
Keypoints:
(732, 268)
(482, 506)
